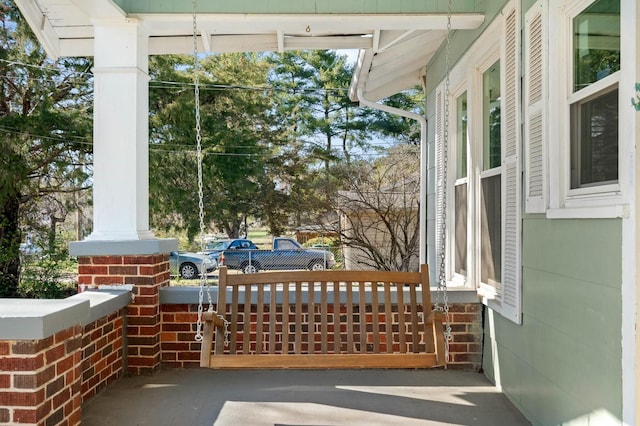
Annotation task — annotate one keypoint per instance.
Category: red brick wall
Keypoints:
(147, 273)
(465, 348)
(102, 354)
(40, 380)
(179, 349)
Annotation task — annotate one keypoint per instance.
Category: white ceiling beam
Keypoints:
(76, 31)
(244, 43)
(173, 45)
(389, 38)
(393, 87)
(329, 42)
(386, 79)
(280, 35)
(402, 63)
(376, 40)
(76, 47)
(255, 43)
(428, 42)
(296, 24)
(206, 40)
(41, 26)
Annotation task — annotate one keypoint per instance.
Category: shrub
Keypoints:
(48, 276)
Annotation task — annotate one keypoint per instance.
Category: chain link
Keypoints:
(442, 275)
(196, 83)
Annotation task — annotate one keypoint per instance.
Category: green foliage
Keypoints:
(323, 241)
(45, 137)
(275, 128)
(45, 279)
(238, 139)
(394, 127)
(50, 276)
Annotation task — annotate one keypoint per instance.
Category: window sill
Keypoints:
(596, 212)
(456, 294)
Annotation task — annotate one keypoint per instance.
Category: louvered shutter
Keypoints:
(510, 291)
(535, 168)
(440, 191)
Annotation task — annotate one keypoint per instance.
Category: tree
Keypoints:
(239, 138)
(328, 129)
(379, 212)
(394, 127)
(45, 121)
(315, 100)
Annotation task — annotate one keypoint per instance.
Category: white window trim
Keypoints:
(467, 76)
(486, 290)
(598, 201)
(457, 280)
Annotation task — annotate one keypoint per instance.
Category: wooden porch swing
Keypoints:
(322, 319)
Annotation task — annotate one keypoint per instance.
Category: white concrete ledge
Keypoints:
(103, 302)
(27, 319)
(123, 248)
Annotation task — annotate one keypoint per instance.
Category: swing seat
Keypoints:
(324, 319)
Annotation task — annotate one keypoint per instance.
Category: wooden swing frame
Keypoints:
(313, 319)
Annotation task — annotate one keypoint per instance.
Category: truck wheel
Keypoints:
(316, 265)
(188, 270)
(250, 268)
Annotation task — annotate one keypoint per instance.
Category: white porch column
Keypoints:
(120, 135)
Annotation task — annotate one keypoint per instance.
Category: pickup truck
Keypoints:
(215, 247)
(286, 254)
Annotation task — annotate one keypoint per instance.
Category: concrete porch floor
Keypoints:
(302, 397)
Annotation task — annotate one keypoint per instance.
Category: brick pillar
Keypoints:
(147, 273)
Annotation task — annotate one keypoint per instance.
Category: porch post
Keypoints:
(121, 135)
(122, 250)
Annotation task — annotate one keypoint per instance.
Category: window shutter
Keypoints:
(535, 169)
(439, 142)
(510, 291)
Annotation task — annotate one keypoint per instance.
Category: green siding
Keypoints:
(302, 6)
(562, 365)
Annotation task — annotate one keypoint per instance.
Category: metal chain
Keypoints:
(442, 276)
(196, 83)
(227, 333)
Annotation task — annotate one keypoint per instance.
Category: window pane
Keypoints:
(596, 43)
(491, 117)
(594, 140)
(461, 229)
(490, 228)
(461, 136)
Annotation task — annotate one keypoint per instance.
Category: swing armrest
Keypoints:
(212, 321)
(212, 316)
(436, 319)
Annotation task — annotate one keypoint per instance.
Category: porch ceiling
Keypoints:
(395, 47)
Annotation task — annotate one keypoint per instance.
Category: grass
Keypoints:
(181, 282)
